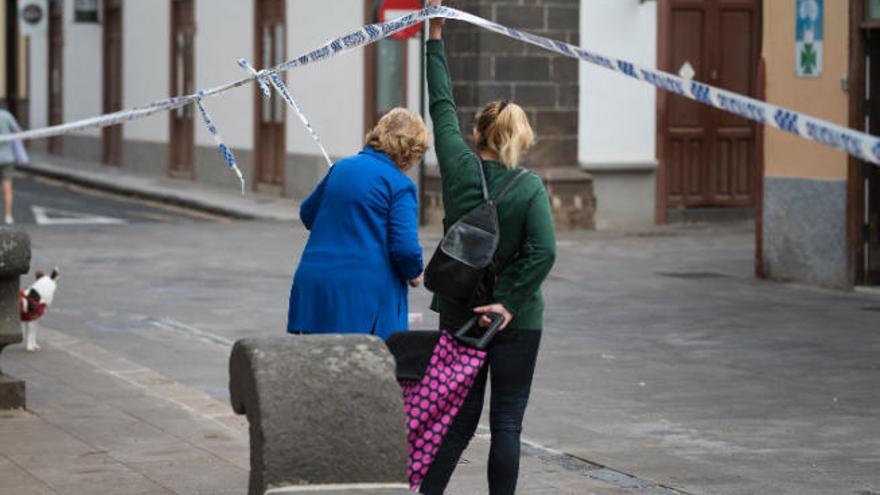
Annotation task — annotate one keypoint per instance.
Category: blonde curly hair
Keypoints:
(401, 135)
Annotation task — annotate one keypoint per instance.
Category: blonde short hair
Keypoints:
(401, 135)
(504, 130)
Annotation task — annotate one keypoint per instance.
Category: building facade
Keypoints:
(137, 52)
(613, 152)
(820, 214)
(657, 157)
(128, 53)
(486, 67)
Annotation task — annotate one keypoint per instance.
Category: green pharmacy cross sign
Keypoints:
(809, 37)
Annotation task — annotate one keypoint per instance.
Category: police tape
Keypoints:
(859, 144)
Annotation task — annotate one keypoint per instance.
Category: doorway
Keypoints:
(56, 72)
(11, 57)
(270, 150)
(387, 72)
(111, 137)
(707, 157)
(868, 237)
(181, 160)
(871, 238)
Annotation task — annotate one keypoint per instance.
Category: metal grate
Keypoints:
(692, 275)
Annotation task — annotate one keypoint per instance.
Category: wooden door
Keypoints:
(270, 126)
(12, 73)
(386, 73)
(111, 153)
(707, 157)
(56, 72)
(181, 160)
(869, 235)
(871, 175)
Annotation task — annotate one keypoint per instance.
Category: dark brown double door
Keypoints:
(181, 160)
(865, 205)
(707, 157)
(56, 71)
(270, 35)
(111, 137)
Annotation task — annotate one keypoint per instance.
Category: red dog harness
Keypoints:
(26, 303)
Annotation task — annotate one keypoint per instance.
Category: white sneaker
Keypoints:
(9, 220)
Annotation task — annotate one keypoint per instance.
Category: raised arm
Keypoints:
(448, 140)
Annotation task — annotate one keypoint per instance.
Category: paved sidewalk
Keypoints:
(96, 425)
(222, 200)
(99, 423)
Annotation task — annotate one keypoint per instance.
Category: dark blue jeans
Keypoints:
(511, 365)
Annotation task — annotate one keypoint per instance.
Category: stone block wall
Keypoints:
(486, 66)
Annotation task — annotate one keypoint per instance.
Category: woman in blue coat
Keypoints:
(363, 248)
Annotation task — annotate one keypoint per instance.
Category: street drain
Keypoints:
(588, 469)
(692, 275)
(872, 308)
(652, 233)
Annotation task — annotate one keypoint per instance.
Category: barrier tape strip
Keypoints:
(218, 140)
(859, 144)
(279, 85)
(282, 90)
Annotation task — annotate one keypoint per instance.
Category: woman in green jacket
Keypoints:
(527, 249)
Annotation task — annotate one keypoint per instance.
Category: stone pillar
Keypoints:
(324, 410)
(15, 260)
(486, 66)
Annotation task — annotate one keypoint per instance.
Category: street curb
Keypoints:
(162, 195)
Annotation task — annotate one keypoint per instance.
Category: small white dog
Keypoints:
(35, 300)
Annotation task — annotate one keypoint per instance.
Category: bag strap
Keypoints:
(482, 178)
(509, 184)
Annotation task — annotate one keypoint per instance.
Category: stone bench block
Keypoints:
(15, 260)
(323, 409)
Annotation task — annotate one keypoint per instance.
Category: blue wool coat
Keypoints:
(362, 250)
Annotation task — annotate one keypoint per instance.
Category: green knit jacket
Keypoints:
(527, 235)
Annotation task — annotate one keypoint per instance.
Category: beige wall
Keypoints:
(823, 97)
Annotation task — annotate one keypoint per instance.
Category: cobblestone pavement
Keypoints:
(662, 358)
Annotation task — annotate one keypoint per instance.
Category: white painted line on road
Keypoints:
(176, 326)
(54, 216)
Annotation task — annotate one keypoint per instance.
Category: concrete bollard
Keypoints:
(325, 413)
(15, 260)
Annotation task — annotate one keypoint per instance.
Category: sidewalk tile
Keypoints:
(14, 479)
(198, 476)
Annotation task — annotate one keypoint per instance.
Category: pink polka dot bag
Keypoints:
(435, 380)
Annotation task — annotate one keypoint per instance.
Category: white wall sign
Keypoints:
(32, 17)
(809, 37)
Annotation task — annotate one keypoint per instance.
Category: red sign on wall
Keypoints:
(392, 9)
